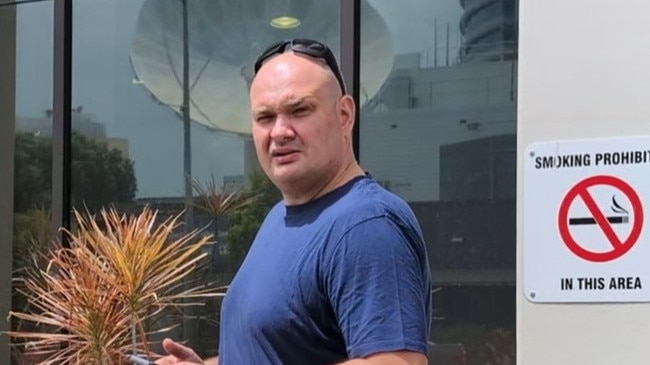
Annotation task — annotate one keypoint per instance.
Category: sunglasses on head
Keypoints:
(307, 47)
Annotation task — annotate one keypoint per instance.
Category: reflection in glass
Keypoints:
(31, 130)
(169, 109)
(224, 40)
(441, 134)
(489, 30)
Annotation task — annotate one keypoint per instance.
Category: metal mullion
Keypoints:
(61, 126)
(350, 57)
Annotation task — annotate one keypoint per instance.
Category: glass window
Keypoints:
(440, 131)
(26, 55)
(488, 29)
(149, 131)
(488, 44)
(481, 15)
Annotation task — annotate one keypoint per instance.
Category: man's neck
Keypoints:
(346, 174)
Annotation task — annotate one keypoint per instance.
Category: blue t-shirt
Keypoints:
(343, 276)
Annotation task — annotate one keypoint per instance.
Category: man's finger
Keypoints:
(179, 351)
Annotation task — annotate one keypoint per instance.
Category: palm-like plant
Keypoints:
(94, 299)
(220, 201)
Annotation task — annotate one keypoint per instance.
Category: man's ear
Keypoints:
(348, 111)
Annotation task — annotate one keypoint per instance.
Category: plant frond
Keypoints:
(118, 273)
(220, 201)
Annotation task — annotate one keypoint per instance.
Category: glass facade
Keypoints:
(489, 30)
(172, 129)
(26, 79)
(159, 111)
(441, 133)
(7, 127)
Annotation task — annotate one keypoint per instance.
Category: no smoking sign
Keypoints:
(598, 220)
(584, 222)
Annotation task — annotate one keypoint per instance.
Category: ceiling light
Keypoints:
(285, 22)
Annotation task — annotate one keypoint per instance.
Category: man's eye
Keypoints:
(301, 111)
(263, 119)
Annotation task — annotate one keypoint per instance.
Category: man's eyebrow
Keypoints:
(263, 110)
(287, 105)
(294, 103)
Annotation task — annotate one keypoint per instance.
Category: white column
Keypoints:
(584, 72)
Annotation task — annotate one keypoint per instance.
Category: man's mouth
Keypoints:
(282, 153)
(284, 156)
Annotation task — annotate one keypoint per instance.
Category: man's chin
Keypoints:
(286, 179)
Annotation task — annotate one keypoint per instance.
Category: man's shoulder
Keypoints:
(369, 199)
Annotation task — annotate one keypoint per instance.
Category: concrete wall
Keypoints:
(7, 125)
(583, 73)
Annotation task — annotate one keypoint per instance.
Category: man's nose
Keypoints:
(282, 129)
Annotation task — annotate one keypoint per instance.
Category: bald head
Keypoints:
(295, 71)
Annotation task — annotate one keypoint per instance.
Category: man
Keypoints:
(338, 272)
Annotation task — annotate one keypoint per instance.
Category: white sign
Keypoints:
(585, 212)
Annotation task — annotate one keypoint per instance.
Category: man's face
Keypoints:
(299, 127)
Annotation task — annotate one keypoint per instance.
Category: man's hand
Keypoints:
(178, 354)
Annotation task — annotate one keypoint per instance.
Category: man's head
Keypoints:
(302, 119)
(307, 47)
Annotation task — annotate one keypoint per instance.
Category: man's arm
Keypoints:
(391, 358)
(378, 283)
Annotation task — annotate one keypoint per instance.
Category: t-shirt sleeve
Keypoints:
(379, 286)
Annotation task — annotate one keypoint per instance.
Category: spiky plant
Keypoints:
(219, 201)
(30, 240)
(94, 298)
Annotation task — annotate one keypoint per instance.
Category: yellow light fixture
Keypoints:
(285, 22)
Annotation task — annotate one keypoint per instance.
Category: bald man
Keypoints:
(338, 272)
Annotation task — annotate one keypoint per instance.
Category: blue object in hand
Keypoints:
(137, 360)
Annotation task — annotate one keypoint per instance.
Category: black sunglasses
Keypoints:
(308, 47)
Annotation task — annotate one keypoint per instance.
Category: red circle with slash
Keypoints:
(619, 247)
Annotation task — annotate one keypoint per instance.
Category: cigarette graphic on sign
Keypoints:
(617, 219)
(584, 221)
